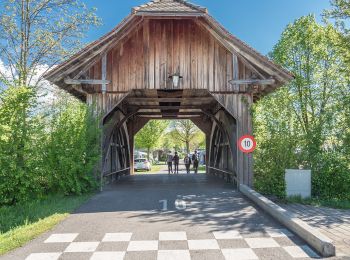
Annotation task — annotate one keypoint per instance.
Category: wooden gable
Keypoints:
(162, 38)
(158, 48)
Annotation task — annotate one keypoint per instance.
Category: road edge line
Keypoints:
(321, 243)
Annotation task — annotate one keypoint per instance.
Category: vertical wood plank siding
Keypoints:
(159, 48)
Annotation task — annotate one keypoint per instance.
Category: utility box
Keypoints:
(298, 183)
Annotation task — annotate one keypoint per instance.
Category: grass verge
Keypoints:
(23, 222)
(331, 203)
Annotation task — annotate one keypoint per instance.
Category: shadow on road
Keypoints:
(187, 199)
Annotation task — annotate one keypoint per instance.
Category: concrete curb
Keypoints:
(322, 244)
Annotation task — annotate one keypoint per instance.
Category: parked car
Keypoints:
(142, 164)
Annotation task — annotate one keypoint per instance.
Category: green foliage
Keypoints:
(276, 143)
(18, 135)
(332, 176)
(73, 149)
(149, 136)
(35, 35)
(41, 154)
(185, 132)
(340, 15)
(305, 123)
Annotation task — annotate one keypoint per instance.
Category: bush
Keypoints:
(18, 136)
(73, 149)
(331, 177)
(43, 154)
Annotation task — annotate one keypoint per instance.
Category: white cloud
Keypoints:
(47, 92)
(5, 72)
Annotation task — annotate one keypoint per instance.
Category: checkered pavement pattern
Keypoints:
(232, 244)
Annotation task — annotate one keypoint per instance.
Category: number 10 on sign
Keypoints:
(247, 144)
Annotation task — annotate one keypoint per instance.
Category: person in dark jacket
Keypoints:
(169, 160)
(187, 161)
(176, 160)
(195, 161)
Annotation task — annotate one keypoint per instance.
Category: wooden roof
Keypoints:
(165, 8)
(169, 6)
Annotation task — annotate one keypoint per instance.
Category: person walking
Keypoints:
(176, 163)
(187, 161)
(195, 161)
(170, 162)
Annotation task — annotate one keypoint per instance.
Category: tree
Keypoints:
(17, 138)
(340, 14)
(309, 51)
(340, 11)
(149, 136)
(74, 131)
(303, 123)
(185, 131)
(37, 34)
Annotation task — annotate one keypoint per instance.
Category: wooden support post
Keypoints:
(104, 73)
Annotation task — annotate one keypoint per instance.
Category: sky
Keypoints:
(257, 22)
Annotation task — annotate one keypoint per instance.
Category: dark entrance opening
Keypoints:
(139, 107)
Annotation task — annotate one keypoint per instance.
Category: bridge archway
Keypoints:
(199, 106)
(129, 75)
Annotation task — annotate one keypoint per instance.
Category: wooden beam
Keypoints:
(156, 99)
(169, 114)
(252, 81)
(104, 72)
(170, 117)
(79, 89)
(168, 107)
(86, 81)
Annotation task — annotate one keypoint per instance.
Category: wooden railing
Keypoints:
(229, 175)
(116, 172)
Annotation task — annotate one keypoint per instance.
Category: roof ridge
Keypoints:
(184, 2)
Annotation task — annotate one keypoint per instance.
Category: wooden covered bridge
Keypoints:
(169, 59)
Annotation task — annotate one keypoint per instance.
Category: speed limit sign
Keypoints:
(247, 144)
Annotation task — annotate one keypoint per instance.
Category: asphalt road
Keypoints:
(163, 216)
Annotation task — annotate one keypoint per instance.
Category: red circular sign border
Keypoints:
(251, 149)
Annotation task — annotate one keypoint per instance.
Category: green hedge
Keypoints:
(45, 151)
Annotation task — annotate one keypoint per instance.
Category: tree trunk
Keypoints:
(148, 151)
(187, 147)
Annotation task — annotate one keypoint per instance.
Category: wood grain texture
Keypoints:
(156, 49)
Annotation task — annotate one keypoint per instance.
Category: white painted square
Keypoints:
(108, 256)
(61, 238)
(239, 254)
(174, 255)
(147, 245)
(231, 234)
(172, 236)
(279, 232)
(116, 237)
(203, 244)
(82, 247)
(44, 256)
(300, 252)
(261, 242)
